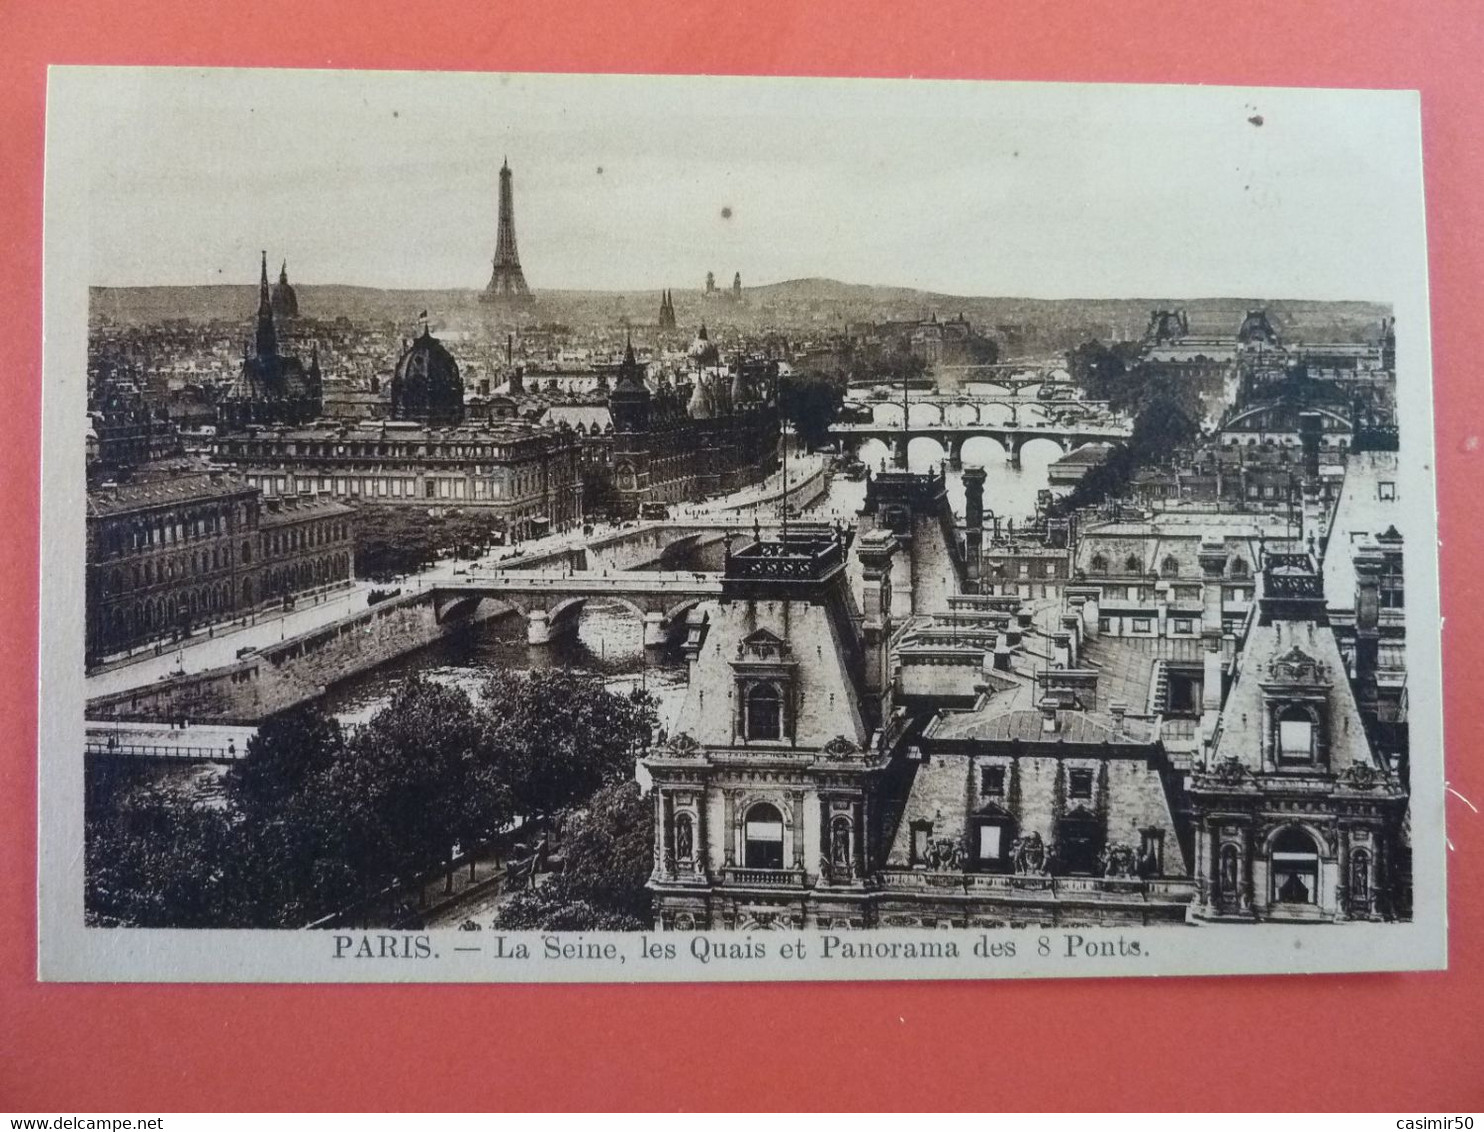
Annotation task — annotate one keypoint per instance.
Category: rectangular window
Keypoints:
(1104, 625)
(922, 839)
(1386, 491)
(1143, 625)
(989, 842)
(1295, 741)
(992, 781)
(1079, 784)
(1133, 593)
(1183, 625)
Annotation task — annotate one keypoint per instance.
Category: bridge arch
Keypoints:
(924, 414)
(887, 414)
(873, 453)
(1037, 449)
(986, 451)
(961, 413)
(926, 452)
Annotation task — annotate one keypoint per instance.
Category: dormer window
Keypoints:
(1296, 734)
(765, 712)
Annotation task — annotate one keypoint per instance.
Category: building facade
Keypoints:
(176, 552)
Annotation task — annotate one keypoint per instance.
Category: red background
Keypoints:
(1400, 1042)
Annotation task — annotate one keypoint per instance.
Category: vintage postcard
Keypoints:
(552, 528)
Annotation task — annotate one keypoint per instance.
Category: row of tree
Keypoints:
(1165, 418)
(315, 819)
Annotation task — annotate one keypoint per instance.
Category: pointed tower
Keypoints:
(266, 340)
(667, 311)
(507, 282)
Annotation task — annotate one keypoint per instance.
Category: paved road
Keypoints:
(220, 648)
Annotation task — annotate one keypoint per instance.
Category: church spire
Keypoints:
(267, 336)
(283, 272)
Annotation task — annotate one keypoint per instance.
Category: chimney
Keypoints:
(1311, 429)
(1061, 655)
(1369, 563)
(1002, 654)
(1049, 723)
(1072, 625)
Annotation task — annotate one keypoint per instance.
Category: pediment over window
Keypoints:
(1297, 667)
(993, 810)
(764, 646)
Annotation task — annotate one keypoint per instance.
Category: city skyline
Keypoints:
(1063, 198)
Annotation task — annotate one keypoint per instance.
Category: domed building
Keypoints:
(285, 301)
(426, 385)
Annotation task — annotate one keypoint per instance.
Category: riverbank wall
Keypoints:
(291, 672)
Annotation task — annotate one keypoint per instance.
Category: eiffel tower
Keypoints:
(508, 282)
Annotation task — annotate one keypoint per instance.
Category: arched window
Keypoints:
(1239, 568)
(1295, 736)
(1170, 567)
(1099, 564)
(1295, 868)
(1131, 564)
(763, 835)
(764, 712)
(685, 842)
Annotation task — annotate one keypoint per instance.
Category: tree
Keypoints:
(288, 751)
(608, 852)
(157, 859)
(552, 759)
(421, 781)
(810, 402)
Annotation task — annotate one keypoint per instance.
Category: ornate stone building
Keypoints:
(177, 550)
(272, 387)
(845, 757)
(713, 431)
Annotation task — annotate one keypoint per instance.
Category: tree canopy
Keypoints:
(313, 820)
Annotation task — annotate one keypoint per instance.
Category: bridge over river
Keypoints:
(952, 437)
(551, 602)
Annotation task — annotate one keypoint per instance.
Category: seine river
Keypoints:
(609, 639)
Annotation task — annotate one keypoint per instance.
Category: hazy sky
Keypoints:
(390, 179)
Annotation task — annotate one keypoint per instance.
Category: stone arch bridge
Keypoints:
(952, 437)
(551, 603)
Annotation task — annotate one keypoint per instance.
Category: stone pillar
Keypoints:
(538, 628)
(659, 833)
(656, 632)
(799, 826)
(729, 831)
(703, 831)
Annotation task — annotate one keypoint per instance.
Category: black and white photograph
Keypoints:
(607, 528)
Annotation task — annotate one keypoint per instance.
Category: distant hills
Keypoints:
(813, 305)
